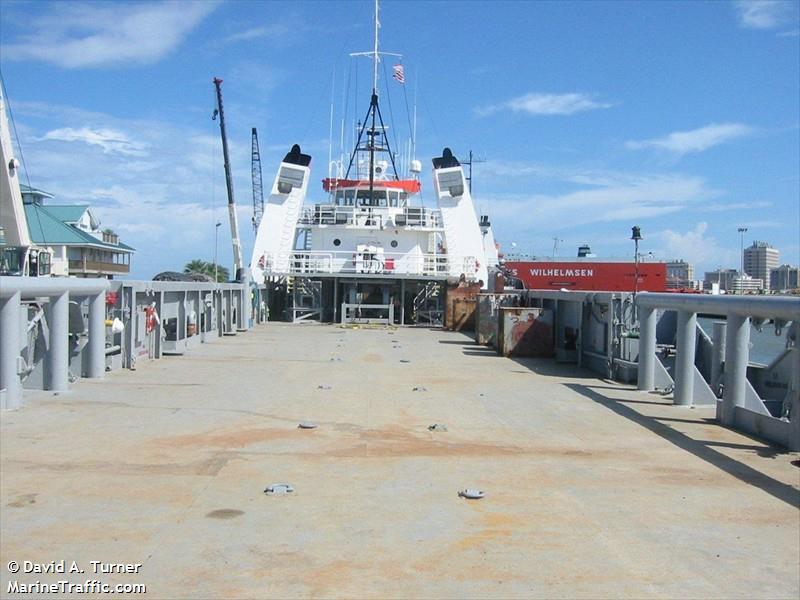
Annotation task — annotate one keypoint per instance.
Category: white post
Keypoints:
(9, 351)
(57, 359)
(647, 349)
(96, 347)
(737, 355)
(717, 354)
(684, 358)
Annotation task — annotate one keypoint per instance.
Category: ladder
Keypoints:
(428, 304)
(306, 295)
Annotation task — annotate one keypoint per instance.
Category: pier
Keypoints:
(592, 488)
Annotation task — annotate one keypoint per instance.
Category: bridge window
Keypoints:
(378, 198)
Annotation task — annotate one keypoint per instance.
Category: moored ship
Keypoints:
(371, 251)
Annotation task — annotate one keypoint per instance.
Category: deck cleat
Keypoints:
(471, 494)
(278, 489)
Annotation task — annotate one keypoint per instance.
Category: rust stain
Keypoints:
(210, 467)
(23, 500)
(373, 358)
(230, 438)
(394, 441)
(481, 539)
(680, 476)
(225, 513)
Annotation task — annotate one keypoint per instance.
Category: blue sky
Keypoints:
(680, 117)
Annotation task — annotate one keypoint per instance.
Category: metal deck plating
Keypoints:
(593, 489)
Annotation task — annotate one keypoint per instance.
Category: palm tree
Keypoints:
(206, 268)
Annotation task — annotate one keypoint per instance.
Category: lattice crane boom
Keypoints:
(258, 190)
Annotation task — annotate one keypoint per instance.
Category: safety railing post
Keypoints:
(737, 355)
(57, 358)
(647, 349)
(9, 350)
(717, 354)
(684, 358)
(96, 346)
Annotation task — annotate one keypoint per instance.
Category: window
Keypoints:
(363, 198)
(337, 242)
(394, 243)
(393, 196)
(349, 197)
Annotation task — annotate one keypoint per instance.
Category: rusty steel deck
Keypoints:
(593, 490)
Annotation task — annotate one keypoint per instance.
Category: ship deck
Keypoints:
(593, 490)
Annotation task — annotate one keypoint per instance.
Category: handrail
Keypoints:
(408, 216)
(309, 262)
(765, 307)
(51, 285)
(732, 361)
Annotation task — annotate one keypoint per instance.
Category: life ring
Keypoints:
(151, 319)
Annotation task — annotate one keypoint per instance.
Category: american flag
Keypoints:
(399, 74)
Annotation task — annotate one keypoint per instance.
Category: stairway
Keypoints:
(306, 298)
(428, 305)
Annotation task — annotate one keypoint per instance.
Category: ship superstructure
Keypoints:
(371, 250)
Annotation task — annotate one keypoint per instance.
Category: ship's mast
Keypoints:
(375, 53)
(373, 114)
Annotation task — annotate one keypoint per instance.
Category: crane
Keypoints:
(258, 192)
(237, 245)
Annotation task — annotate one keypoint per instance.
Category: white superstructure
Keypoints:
(371, 247)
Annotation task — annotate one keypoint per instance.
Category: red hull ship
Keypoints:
(589, 275)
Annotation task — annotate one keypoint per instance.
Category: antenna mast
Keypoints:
(373, 116)
(469, 162)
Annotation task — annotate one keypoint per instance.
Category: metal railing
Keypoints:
(371, 216)
(364, 263)
(740, 407)
(69, 326)
(98, 266)
(368, 313)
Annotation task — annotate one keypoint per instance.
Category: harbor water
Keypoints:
(765, 346)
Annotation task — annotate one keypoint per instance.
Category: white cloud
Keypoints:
(109, 140)
(764, 14)
(729, 206)
(106, 34)
(627, 199)
(257, 32)
(545, 104)
(160, 185)
(696, 247)
(696, 140)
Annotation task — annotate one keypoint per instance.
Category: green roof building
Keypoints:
(80, 247)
